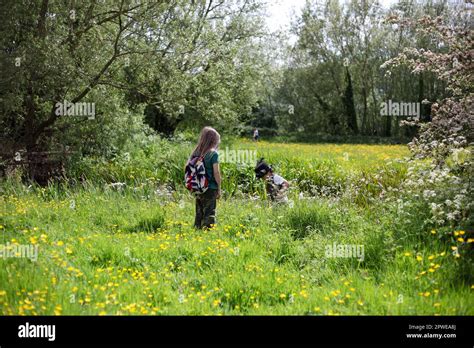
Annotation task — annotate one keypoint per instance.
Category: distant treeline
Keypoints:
(142, 68)
(333, 80)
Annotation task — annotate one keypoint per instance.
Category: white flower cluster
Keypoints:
(444, 191)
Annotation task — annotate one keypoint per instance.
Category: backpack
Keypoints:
(195, 175)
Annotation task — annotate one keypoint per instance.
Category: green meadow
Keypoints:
(130, 249)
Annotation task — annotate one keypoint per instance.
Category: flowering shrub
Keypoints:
(442, 179)
(446, 195)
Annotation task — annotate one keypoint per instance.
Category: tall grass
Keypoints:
(131, 249)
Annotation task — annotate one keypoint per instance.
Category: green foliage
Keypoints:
(127, 251)
(310, 218)
(115, 233)
(331, 82)
(189, 62)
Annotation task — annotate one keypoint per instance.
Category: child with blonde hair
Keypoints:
(203, 177)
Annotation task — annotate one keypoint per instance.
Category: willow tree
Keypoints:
(120, 56)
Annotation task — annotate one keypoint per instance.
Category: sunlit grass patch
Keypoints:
(133, 251)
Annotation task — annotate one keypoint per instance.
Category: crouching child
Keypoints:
(275, 185)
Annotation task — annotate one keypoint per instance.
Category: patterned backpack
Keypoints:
(195, 175)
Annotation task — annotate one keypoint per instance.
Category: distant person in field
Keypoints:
(203, 177)
(275, 185)
(255, 135)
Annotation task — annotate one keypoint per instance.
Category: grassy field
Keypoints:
(132, 250)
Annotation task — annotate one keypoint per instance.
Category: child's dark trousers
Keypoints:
(206, 209)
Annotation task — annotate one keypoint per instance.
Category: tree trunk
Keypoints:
(348, 101)
(364, 115)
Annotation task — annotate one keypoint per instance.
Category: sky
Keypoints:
(281, 12)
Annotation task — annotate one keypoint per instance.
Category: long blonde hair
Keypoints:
(208, 140)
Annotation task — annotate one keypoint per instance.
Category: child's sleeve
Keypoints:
(278, 180)
(215, 158)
